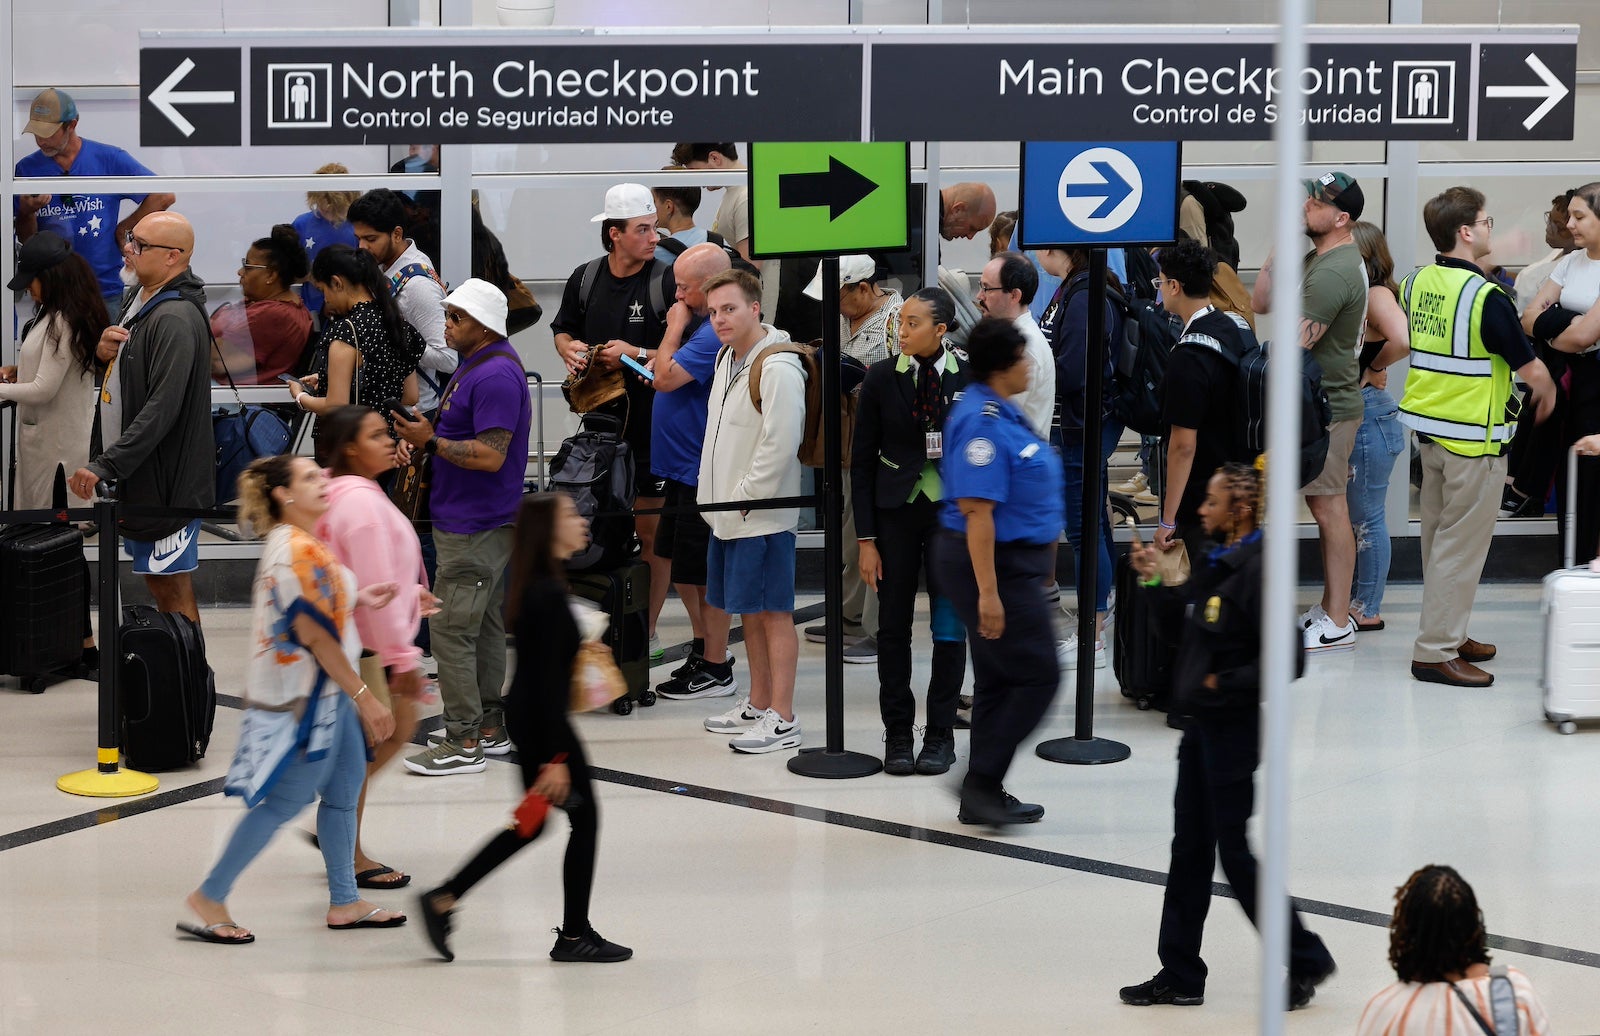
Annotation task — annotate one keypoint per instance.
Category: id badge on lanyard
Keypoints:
(933, 444)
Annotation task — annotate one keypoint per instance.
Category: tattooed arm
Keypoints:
(487, 452)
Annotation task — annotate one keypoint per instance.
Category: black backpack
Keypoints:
(595, 467)
(677, 248)
(1142, 270)
(1315, 413)
(656, 290)
(1139, 366)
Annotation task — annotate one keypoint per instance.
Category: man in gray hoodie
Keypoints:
(152, 430)
(751, 453)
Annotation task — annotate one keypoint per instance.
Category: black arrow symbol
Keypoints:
(841, 188)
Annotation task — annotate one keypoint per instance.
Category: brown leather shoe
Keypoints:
(1456, 672)
(1472, 651)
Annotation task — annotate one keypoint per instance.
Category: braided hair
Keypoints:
(1437, 929)
(1247, 484)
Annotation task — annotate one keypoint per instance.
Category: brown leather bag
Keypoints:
(594, 386)
(522, 309)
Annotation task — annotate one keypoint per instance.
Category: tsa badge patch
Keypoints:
(980, 453)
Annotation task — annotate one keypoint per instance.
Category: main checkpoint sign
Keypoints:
(828, 199)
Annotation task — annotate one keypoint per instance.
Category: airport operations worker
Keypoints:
(1002, 515)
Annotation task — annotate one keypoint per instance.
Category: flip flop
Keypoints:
(366, 879)
(367, 921)
(208, 933)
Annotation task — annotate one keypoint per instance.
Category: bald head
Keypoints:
(694, 267)
(969, 208)
(162, 247)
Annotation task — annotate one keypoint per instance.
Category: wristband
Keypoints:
(1151, 583)
(1164, 525)
(357, 696)
(300, 401)
(432, 445)
(1377, 370)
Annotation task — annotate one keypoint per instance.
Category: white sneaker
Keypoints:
(1311, 615)
(1067, 652)
(1139, 483)
(736, 720)
(1325, 635)
(1100, 654)
(772, 733)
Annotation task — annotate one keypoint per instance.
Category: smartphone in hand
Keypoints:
(395, 406)
(290, 379)
(638, 368)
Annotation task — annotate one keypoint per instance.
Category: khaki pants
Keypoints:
(1460, 500)
(469, 632)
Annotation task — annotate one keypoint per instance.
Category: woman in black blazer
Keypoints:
(895, 493)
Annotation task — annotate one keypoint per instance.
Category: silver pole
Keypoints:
(455, 174)
(8, 160)
(1272, 908)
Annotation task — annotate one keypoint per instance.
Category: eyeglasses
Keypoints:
(1487, 221)
(245, 264)
(1157, 282)
(983, 288)
(140, 246)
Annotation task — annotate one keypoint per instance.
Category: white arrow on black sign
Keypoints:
(1552, 90)
(166, 99)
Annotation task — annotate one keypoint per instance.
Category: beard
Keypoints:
(130, 276)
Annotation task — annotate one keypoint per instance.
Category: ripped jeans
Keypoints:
(1379, 440)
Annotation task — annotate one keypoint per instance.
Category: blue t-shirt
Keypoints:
(89, 221)
(492, 393)
(316, 234)
(991, 453)
(678, 421)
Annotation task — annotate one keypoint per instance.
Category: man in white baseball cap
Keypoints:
(615, 305)
(478, 447)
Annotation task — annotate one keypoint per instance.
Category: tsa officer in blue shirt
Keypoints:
(1002, 514)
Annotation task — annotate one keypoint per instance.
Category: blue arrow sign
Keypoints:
(1099, 194)
(1111, 187)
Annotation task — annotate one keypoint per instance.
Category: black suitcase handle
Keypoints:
(149, 699)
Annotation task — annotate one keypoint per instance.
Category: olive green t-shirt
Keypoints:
(1335, 294)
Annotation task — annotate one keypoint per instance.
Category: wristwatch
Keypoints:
(432, 445)
(643, 354)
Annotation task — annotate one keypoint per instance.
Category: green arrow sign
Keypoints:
(828, 199)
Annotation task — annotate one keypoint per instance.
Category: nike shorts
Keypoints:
(169, 556)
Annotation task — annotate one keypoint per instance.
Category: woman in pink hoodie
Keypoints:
(370, 536)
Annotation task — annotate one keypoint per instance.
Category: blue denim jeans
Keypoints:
(1379, 440)
(1072, 468)
(336, 778)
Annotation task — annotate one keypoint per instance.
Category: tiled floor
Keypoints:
(762, 902)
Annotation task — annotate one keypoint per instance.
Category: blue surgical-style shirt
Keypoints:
(89, 221)
(317, 233)
(991, 453)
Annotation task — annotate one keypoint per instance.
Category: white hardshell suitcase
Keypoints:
(1570, 675)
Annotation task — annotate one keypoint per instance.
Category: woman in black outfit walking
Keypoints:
(896, 491)
(549, 530)
(1216, 688)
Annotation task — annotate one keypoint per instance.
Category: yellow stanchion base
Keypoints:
(120, 784)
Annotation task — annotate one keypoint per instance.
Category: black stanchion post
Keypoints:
(832, 761)
(1083, 747)
(108, 779)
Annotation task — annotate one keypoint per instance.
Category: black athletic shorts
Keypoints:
(684, 538)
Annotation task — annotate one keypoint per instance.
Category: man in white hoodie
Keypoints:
(751, 452)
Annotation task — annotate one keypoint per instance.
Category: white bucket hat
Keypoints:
(481, 301)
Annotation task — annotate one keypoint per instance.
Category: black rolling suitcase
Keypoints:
(42, 589)
(169, 695)
(623, 594)
(1149, 622)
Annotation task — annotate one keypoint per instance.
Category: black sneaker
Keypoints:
(679, 678)
(1148, 994)
(589, 947)
(938, 751)
(438, 924)
(984, 809)
(897, 758)
(709, 680)
(1303, 987)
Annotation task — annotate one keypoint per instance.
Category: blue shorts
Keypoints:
(169, 556)
(744, 577)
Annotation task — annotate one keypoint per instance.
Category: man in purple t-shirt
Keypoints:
(479, 452)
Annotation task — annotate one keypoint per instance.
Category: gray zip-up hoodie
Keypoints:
(164, 454)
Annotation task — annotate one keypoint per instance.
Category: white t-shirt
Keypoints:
(1038, 400)
(1433, 1009)
(1579, 277)
(1533, 276)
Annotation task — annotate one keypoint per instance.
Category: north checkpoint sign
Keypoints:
(1094, 195)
